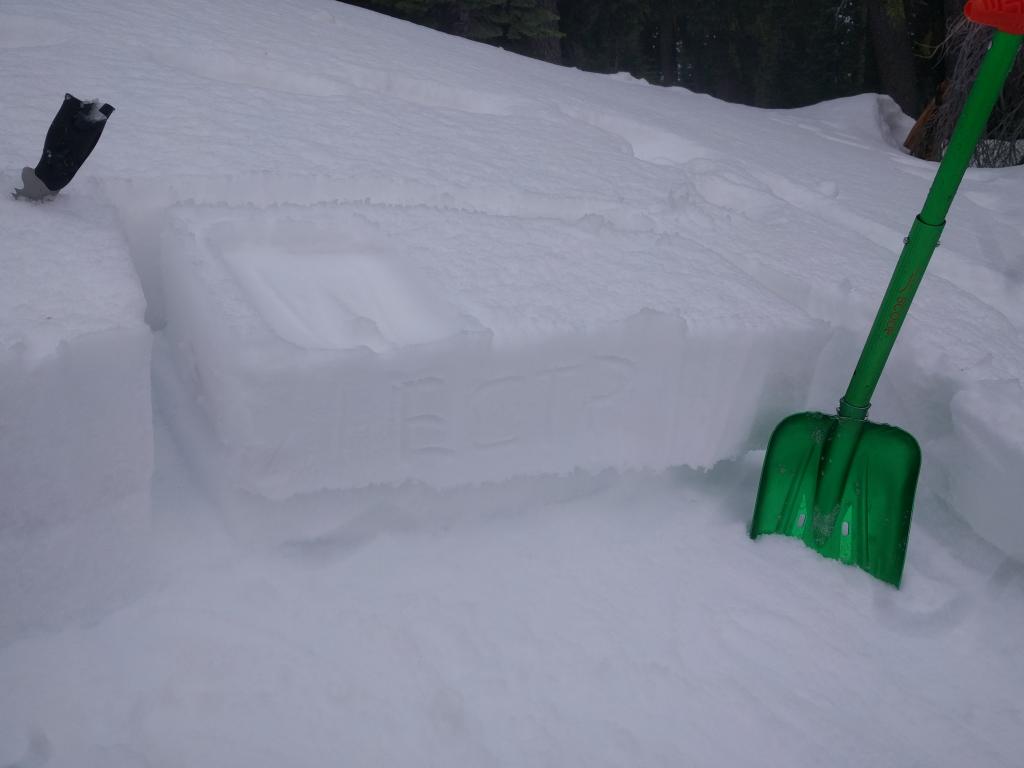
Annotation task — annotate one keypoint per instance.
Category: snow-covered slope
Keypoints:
(425, 327)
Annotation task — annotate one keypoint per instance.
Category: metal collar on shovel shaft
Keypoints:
(841, 483)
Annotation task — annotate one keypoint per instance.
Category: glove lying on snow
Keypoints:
(72, 136)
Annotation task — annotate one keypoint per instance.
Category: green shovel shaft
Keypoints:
(925, 232)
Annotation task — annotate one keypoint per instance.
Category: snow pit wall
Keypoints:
(987, 476)
(465, 412)
(449, 405)
(77, 458)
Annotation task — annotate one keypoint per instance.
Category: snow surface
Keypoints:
(375, 397)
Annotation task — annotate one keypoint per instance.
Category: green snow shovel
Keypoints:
(841, 483)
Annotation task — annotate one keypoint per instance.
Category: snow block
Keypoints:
(76, 442)
(987, 485)
(337, 346)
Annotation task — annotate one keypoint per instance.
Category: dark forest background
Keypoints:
(763, 53)
(766, 53)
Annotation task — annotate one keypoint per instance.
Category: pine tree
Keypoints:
(526, 24)
(547, 45)
(605, 35)
(893, 51)
(769, 53)
(529, 26)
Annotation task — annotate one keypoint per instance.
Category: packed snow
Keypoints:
(375, 397)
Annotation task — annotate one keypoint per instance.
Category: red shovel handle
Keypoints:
(1005, 15)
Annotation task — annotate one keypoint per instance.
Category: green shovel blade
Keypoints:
(843, 486)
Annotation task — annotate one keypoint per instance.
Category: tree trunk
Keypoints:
(667, 46)
(924, 141)
(887, 23)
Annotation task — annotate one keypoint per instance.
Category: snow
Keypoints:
(95, 114)
(338, 346)
(990, 469)
(76, 424)
(380, 397)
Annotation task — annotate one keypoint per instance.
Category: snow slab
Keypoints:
(76, 435)
(339, 346)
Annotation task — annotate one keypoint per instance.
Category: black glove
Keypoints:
(72, 136)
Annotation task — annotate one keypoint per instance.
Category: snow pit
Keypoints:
(337, 346)
(76, 435)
